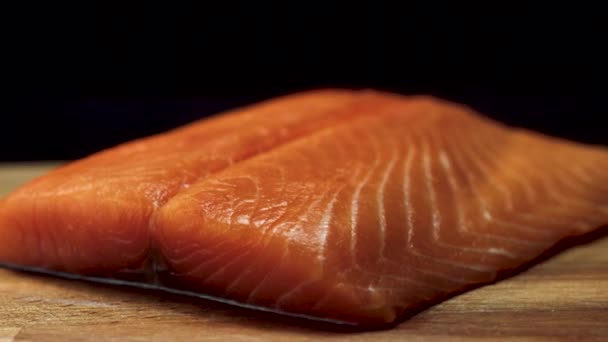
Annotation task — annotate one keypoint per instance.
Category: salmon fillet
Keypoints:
(351, 206)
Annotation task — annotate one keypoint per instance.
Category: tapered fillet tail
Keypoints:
(355, 207)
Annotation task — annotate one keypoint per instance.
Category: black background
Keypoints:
(82, 77)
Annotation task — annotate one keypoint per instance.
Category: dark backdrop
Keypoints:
(83, 77)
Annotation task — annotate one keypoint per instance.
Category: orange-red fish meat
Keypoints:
(350, 206)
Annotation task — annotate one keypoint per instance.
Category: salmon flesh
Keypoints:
(355, 207)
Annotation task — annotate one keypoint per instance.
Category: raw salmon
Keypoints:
(354, 207)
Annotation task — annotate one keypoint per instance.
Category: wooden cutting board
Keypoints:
(565, 297)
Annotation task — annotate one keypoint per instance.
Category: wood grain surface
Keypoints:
(562, 298)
